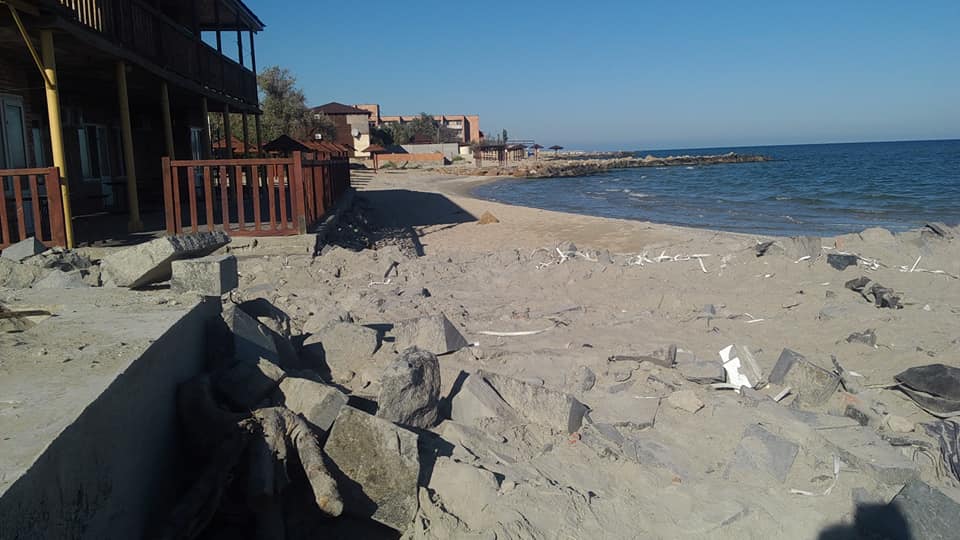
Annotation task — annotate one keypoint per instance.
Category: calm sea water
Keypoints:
(823, 189)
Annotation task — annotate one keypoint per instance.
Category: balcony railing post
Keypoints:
(296, 192)
(168, 205)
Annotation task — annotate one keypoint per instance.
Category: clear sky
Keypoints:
(635, 74)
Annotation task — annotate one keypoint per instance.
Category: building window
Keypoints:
(196, 143)
(13, 135)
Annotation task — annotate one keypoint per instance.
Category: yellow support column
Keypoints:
(56, 127)
(167, 121)
(126, 130)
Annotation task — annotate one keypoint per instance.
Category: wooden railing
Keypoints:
(30, 205)
(141, 28)
(252, 197)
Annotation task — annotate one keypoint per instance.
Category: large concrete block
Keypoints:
(540, 405)
(760, 456)
(214, 275)
(377, 466)
(246, 384)
(626, 409)
(862, 448)
(410, 389)
(343, 347)
(56, 279)
(922, 510)
(434, 333)
(316, 402)
(477, 401)
(14, 275)
(23, 249)
(812, 384)
(251, 340)
(150, 262)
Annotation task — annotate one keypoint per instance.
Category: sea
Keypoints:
(811, 189)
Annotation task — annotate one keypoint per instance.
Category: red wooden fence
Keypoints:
(30, 205)
(252, 197)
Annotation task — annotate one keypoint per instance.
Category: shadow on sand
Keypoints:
(874, 522)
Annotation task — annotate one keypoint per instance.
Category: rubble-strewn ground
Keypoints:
(608, 295)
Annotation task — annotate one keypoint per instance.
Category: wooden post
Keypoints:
(167, 120)
(259, 128)
(246, 138)
(297, 192)
(56, 128)
(205, 135)
(126, 129)
(227, 134)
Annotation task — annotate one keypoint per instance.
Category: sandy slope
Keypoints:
(497, 277)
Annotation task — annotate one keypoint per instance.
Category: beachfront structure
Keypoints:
(102, 89)
(465, 126)
(105, 110)
(352, 126)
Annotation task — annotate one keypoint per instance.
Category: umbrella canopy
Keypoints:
(516, 147)
(536, 146)
(556, 147)
(374, 148)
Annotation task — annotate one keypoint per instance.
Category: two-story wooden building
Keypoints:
(103, 89)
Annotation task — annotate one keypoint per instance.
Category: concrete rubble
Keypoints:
(410, 389)
(434, 333)
(23, 250)
(150, 262)
(812, 384)
(214, 275)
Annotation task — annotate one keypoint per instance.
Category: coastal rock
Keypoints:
(410, 389)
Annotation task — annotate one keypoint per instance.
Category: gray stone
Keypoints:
(318, 403)
(761, 455)
(57, 279)
(214, 275)
(410, 389)
(625, 409)
(538, 404)
(467, 492)
(867, 337)
(925, 511)
(582, 379)
(150, 262)
(251, 340)
(701, 371)
(342, 346)
(246, 384)
(23, 249)
(434, 333)
(862, 448)
(377, 466)
(804, 246)
(477, 401)
(841, 261)
(685, 400)
(14, 275)
(812, 384)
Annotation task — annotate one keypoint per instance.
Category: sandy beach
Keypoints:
(631, 288)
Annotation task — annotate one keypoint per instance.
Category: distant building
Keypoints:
(466, 126)
(352, 123)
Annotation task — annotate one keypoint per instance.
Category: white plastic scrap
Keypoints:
(740, 372)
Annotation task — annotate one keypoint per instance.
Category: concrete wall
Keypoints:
(403, 158)
(449, 150)
(112, 471)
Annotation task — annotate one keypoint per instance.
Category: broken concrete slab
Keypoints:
(246, 384)
(627, 410)
(342, 343)
(740, 366)
(812, 384)
(150, 262)
(701, 371)
(842, 261)
(251, 340)
(14, 275)
(477, 402)
(467, 492)
(862, 448)
(918, 511)
(410, 389)
(538, 404)
(685, 400)
(434, 333)
(377, 466)
(57, 279)
(318, 403)
(23, 250)
(214, 275)
(760, 456)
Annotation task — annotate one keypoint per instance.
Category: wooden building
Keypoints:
(102, 90)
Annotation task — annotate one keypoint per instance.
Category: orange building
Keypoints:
(467, 126)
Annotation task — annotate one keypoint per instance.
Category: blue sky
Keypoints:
(635, 74)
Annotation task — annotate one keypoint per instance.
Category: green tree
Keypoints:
(505, 135)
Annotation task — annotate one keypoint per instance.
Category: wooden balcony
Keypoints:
(138, 27)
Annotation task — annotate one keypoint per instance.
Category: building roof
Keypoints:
(334, 108)
(286, 143)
